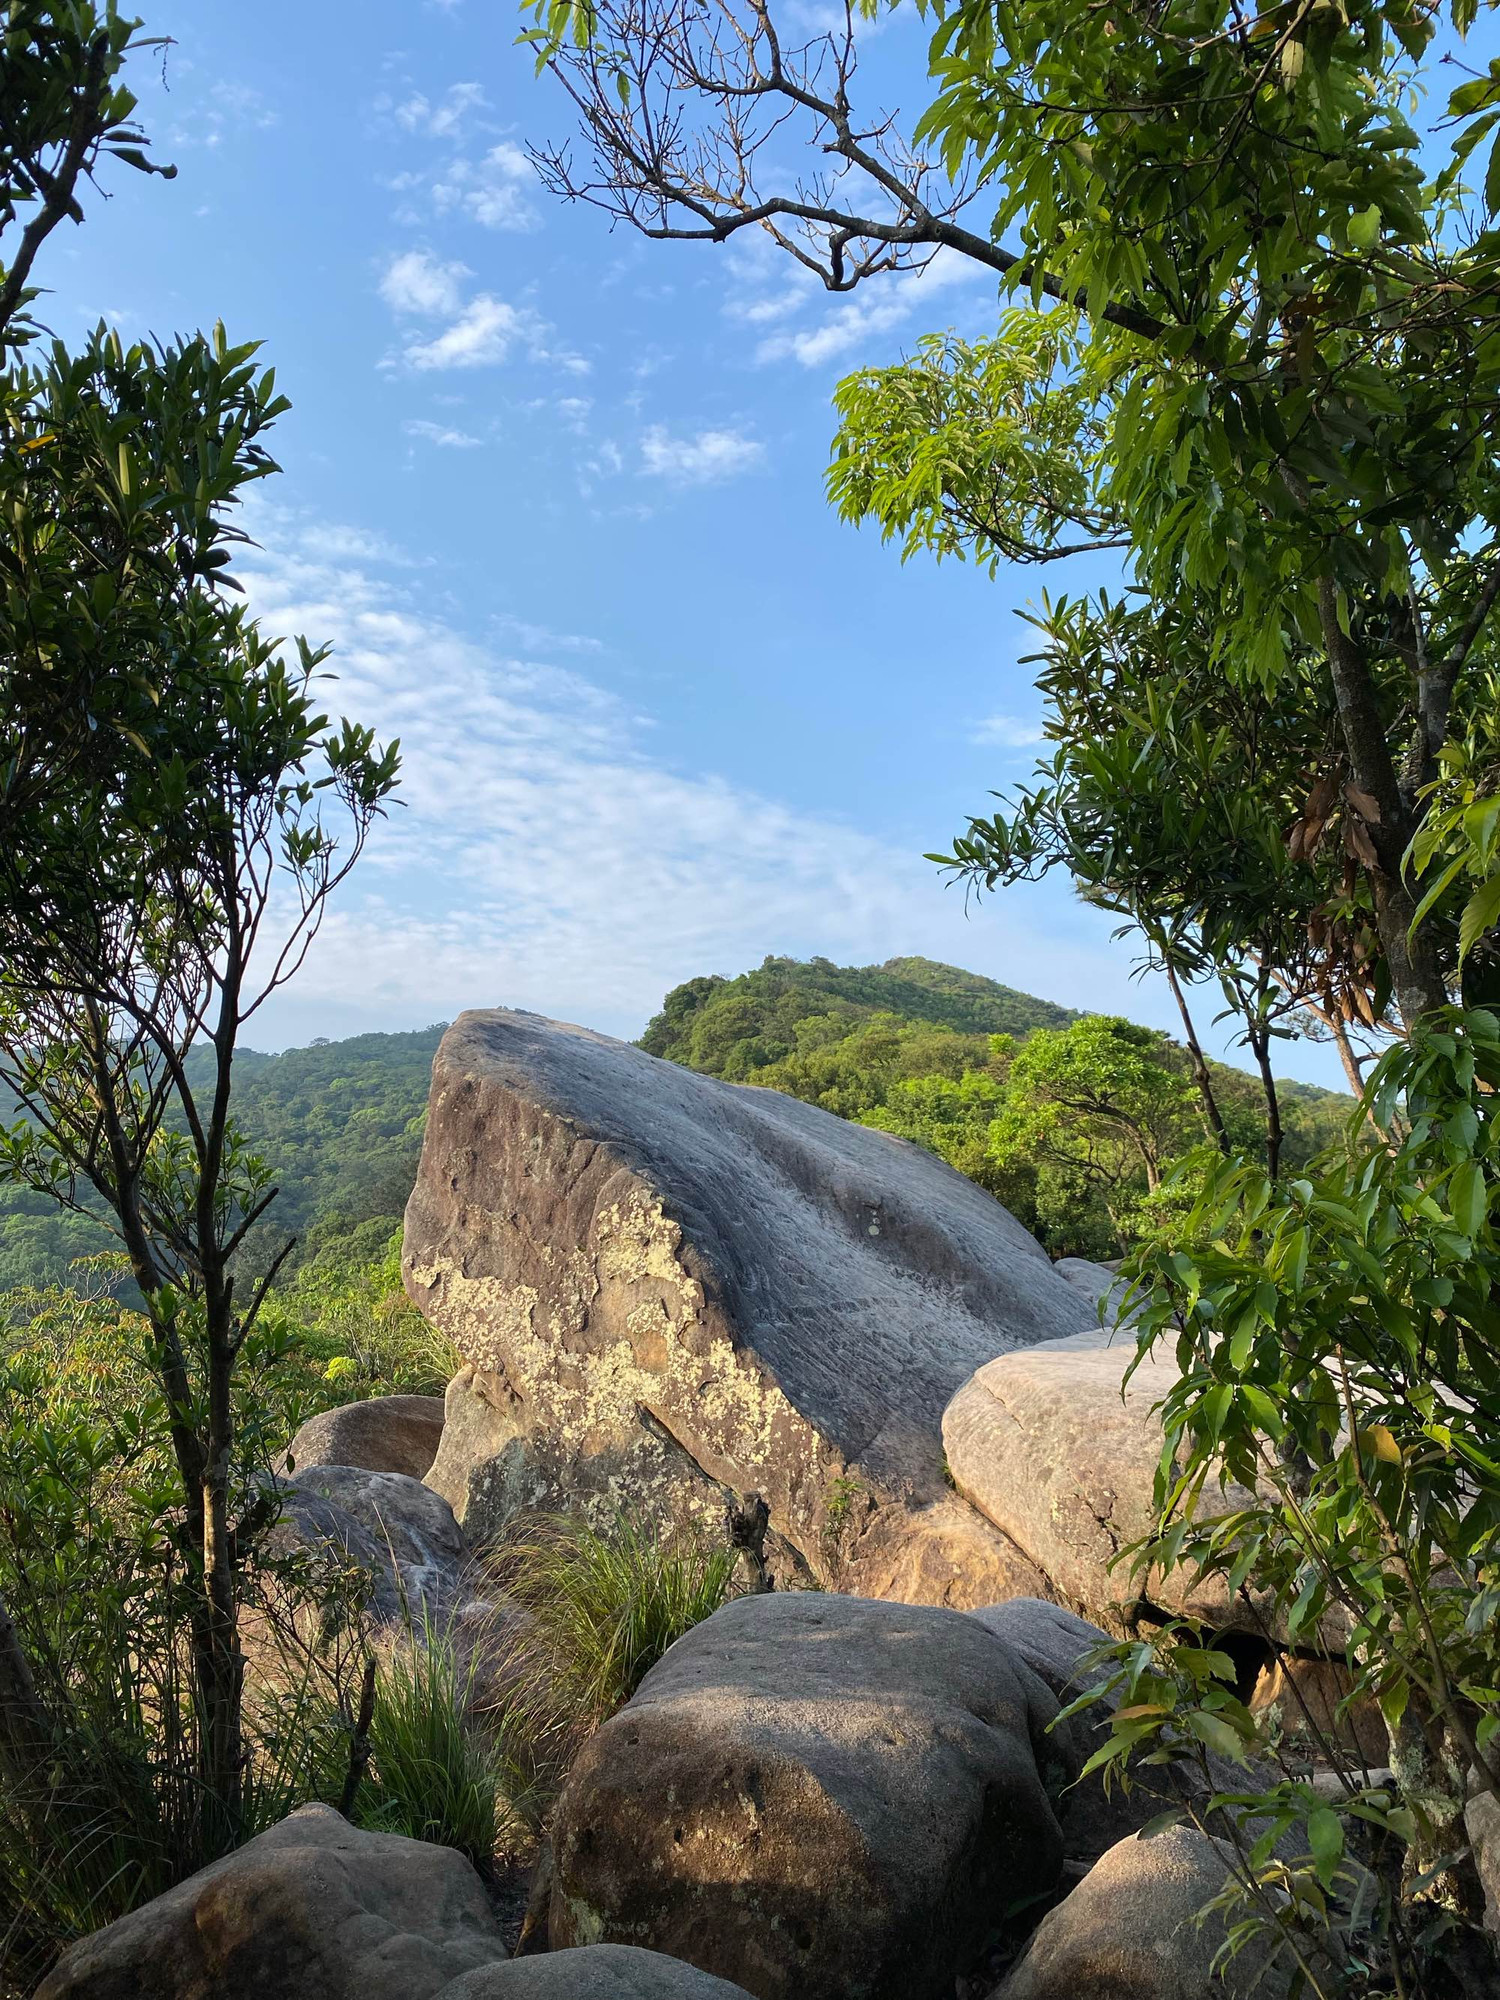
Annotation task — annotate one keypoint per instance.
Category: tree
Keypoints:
(1104, 1103)
(62, 109)
(1208, 819)
(175, 811)
(1287, 348)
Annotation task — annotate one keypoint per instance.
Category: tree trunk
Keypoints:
(1260, 1041)
(219, 1664)
(1201, 1076)
(1416, 977)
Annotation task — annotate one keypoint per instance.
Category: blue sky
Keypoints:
(555, 494)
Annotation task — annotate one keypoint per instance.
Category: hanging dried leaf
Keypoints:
(1364, 803)
(1358, 842)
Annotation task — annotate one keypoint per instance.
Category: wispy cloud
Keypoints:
(493, 191)
(647, 874)
(481, 331)
(440, 434)
(1013, 732)
(877, 308)
(440, 118)
(224, 110)
(698, 459)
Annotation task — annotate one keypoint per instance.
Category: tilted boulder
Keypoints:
(312, 1907)
(1131, 1931)
(593, 1972)
(400, 1553)
(817, 1797)
(666, 1287)
(380, 1434)
(1048, 1448)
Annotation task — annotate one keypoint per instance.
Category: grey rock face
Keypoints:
(313, 1907)
(666, 1286)
(380, 1434)
(817, 1797)
(404, 1538)
(399, 1530)
(593, 1972)
(1129, 1931)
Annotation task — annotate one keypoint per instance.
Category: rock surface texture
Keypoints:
(380, 1434)
(817, 1797)
(666, 1287)
(593, 1972)
(313, 1907)
(1129, 1931)
(1044, 1445)
(404, 1537)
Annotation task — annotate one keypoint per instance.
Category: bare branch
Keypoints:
(676, 171)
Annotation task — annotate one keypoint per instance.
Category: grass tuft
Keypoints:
(604, 1604)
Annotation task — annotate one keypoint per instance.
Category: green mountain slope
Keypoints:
(339, 1122)
(733, 1027)
(904, 1045)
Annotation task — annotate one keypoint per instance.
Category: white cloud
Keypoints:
(697, 461)
(443, 119)
(492, 191)
(1015, 732)
(441, 434)
(542, 858)
(418, 283)
(481, 331)
(878, 307)
(484, 332)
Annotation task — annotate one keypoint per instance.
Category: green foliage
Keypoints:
(65, 113)
(92, 1570)
(734, 1027)
(1337, 1340)
(605, 1604)
(339, 1126)
(435, 1774)
(354, 1322)
(991, 447)
(1104, 1105)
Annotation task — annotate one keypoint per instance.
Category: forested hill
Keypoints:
(339, 1122)
(734, 1027)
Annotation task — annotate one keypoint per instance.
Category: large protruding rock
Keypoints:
(1060, 1453)
(313, 1907)
(819, 1798)
(665, 1286)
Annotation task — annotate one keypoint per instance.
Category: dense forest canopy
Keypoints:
(339, 1124)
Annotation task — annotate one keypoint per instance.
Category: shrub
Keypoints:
(605, 1604)
(435, 1774)
(1336, 1335)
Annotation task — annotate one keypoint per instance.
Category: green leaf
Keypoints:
(1325, 1838)
(1468, 1197)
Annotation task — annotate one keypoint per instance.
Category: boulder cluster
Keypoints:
(669, 1292)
